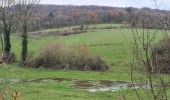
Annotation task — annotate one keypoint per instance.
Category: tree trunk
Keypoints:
(7, 44)
(24, 45)
(2, 44)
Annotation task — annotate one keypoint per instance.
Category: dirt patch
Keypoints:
(106, 83)
(109, 83)
(88, 84)
(62, 79)
(121, 82)
(84, 84)
(43, 80)
(39, 80)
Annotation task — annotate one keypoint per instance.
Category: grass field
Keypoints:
(113, 45)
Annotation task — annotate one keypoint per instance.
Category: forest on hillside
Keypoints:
(58, 16)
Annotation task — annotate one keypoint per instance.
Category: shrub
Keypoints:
(8, 59)
(68, 58)
(160, 56)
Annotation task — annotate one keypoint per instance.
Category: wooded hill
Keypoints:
(50, 16)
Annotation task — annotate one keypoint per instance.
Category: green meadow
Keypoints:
(114, 46)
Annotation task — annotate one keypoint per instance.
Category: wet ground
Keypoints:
(102, 85)
(89, 85)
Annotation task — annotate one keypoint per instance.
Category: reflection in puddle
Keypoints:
(112, 88)
(106, 85)
(116, 88)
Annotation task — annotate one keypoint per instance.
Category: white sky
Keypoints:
(163, 4)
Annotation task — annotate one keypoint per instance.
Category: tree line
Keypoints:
(57, 16)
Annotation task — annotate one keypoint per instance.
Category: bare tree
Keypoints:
(25, 9)
(7, 18)
(144, 72)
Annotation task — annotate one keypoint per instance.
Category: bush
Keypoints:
(68, 58)
(160, 56)
(8, 59)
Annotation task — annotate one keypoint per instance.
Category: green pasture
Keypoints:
(114, 46)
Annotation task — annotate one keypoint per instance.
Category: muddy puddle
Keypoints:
(105, 85)
(40, 80)
(44, 80)
(89, 85)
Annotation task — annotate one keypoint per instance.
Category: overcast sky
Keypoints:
(163, 4)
